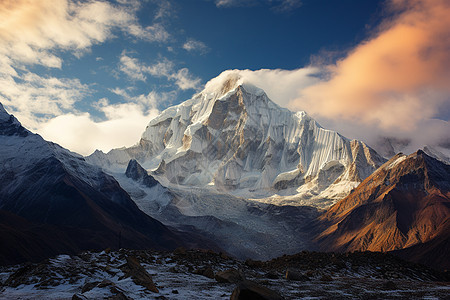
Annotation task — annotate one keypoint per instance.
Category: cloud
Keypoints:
(33, 94)
(394, 80)
(280, 85)
(132, 68)
(151, 100)
(38, 33)
(31, 30)
(165, 68)
(286, 5)
(192, 45)
(276, 5)
(234, 3)
(122, 128)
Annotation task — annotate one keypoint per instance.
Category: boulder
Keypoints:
(208, 272)
(296, 276)
(138, 274)
(229, 276)
(78, 297)
(89, 286)
(272, 275)
(252, 291)
(105, 283)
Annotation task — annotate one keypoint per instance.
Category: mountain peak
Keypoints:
(4, 116)
(229, 81)
(235, 139)
(9, 125)
(137, 173)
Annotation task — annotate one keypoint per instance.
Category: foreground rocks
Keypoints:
(230, 276)
(196, 274)
(139, 275)
(249, 290)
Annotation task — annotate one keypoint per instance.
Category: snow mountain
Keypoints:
(231, 138)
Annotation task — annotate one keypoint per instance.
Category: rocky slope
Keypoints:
(404, 204)
(53, 201)
(233, 139)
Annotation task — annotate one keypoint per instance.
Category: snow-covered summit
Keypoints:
(231, 137)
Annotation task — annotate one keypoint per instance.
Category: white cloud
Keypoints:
(31, 30)
(132, 68)
(282, 86)
(233, 3)
(276, 5)
(38, 33)
(285, 5)
(32, 94)
(83, 135)
(151, 100)
(184, 80)
(165, 68)
(192, 45)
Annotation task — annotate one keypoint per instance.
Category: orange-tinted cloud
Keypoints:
(395, 79)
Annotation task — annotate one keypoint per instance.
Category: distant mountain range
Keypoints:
(228, 169)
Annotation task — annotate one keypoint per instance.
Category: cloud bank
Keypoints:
(137, 70)
(123, 127)
(395, 79)
(394, 84)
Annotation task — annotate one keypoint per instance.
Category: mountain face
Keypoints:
(405, 204)
(54, 201)
(232, 138)
(139, 174)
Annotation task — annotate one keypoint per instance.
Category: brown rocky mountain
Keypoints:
(404, 206)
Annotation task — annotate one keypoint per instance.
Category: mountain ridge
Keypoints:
(403, 205)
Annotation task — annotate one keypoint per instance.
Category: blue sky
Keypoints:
(91, 74)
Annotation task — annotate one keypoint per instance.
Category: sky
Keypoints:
(91, 74)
